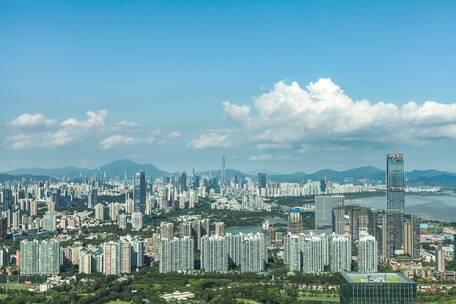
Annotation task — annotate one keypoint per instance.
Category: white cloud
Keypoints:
(237, 113)
(174, 135)
(70, 131)
(126, 125)
(261, 157)
(214, 139)
(32, 120)
(323, 116)
(153, 135)
(117, 139)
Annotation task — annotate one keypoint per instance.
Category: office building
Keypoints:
(214, 254)
(139, 191)
(367, 254)
(222, 173)
(92, 198)
(176, 255)
(338, 216)
(261, 180)
(324, 210)
(379, 288)
(395, 196)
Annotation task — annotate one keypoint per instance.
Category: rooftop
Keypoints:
(376, 278)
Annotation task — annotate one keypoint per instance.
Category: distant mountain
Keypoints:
(356, 174)
(64, 171)
(116, 168)
(229, 173)
(121, 167)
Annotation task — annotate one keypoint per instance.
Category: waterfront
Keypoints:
(254, 228)
(441, 207)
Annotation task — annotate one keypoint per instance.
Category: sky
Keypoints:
(284, 86)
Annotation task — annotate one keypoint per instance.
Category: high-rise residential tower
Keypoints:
(367, 254)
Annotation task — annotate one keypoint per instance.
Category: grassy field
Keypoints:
(319, 298)
(21, 286)
(118, 302)
(246, 301)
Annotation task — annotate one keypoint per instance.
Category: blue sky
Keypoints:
(156, 75)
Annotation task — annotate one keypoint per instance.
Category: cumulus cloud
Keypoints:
(292, 116)
(213, 139)
(117, 139)
(237, 113)
(70, 131)
(32, 120)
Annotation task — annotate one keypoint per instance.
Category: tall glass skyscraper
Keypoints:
(395, 199)
(395, 182)
(139, 191)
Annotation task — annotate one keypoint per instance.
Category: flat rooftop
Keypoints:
(376, 278)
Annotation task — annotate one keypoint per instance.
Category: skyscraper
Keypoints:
(324, 210)
(367, 254)
(395, 196)
(261, 180)
(182, 185)
(139, 191)
(222, 173)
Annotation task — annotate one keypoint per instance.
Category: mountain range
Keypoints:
(126, 167)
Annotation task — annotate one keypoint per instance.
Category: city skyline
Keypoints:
(150, 86)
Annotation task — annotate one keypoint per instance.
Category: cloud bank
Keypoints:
(322, 115)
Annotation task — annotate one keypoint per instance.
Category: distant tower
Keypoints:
(222, 175)
(139, 191)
